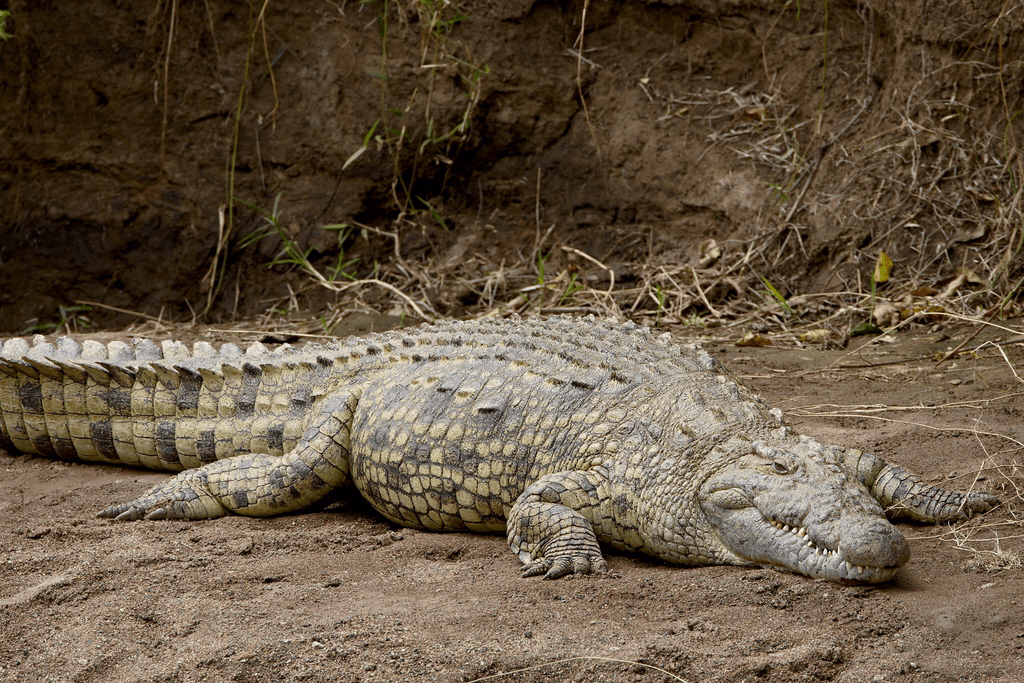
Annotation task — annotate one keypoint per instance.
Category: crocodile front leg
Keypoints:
(257, 484)
(550, 527)
(905, 496)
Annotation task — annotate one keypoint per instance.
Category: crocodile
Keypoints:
(563, 433)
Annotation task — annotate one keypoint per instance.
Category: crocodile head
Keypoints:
(788, 503)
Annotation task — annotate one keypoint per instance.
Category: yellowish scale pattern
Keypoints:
(563, 433)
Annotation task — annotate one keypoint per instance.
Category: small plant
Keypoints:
(570, 288)
(541, 259)
(880, 273)
(4, 16)
(399, 127)
(69, 319)
(433, 212)
(779, 193)
(696, 321)
(366, 144)
(659, 295)
(778, 297)
(257, 26)
(341, 269)
(291, 254)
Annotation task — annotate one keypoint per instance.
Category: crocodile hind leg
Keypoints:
(257, 484)
(905, 496)
(550, 527)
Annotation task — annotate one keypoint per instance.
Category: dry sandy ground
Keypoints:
(341, 595)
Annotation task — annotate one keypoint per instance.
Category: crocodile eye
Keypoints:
(780, 468)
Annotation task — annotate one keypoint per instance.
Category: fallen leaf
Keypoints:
(753, 339)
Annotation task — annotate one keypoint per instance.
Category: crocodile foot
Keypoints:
(186, 496)
(554, 541)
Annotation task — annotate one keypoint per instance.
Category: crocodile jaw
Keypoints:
(852, 548)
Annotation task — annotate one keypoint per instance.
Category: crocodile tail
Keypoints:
(159, 406)
(905, 496)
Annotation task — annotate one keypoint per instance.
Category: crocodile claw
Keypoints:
(187, 496)
(122, 513)
(565, 565)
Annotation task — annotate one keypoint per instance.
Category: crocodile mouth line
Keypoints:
(825, 553)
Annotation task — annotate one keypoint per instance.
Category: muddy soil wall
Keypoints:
(631, 131)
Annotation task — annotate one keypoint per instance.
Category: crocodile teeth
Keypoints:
(802, 532)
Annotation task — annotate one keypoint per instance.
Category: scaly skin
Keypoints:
(563, 434)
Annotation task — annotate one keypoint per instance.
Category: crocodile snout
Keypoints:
(873, 542)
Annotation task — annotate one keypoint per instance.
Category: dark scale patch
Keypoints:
(31, 395)
(103, 438)
(240, 499)
(491, 405)
(119, 401)
(276, 479)
(301, 470)
(206, 446)
(301, 400)
(165, 447)
(43, 446)
(315, 481)
(571, 359)
(246, 403)
(275, 436)
(588, 486)
(65, 447)
(902, 490)
(378, 438)
(187, 399)
(420, 453)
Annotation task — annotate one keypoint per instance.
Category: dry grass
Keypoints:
(923, 177)
(965, 266)
(983, 539)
